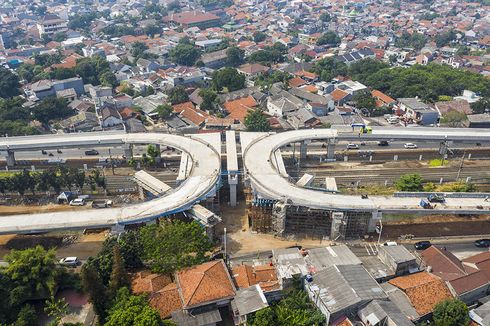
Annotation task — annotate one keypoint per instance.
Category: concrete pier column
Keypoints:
(232, 182)
(158, 159)
(331, 150)
(10, 158)
(303, 150)
(128, 151)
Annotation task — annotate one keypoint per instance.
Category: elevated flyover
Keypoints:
(260, 167)
(202, 180)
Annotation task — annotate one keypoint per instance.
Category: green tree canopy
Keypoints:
(33, 273)
(256, 121)
(259, 36)
(132, 310)
(451, 312)
(9, 83)
(209, 99)
(164, 111)
(269, 54)
(235, 56)
(364, 100)
(329, 38)
(325, 17)
(177, 95)
(454, 119)
(184, 54)
(482, 105)
(329, 68)
(174, 245)
(229, 78)
(51, 108)
(409, 182)
(414, 40)
(95, 289)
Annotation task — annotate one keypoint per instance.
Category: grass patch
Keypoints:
(374, 189)
(438, 162)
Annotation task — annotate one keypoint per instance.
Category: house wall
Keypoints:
(473, 296)
(76, 84)
(111, 121)
(429, 118)
(274, 109)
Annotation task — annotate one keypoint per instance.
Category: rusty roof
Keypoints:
(443, 263)
(424, 290)
(167, 300)
(205, 283)
(264, 275)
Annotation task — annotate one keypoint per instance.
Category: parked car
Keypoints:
(70, 261)
(92, 152)
(436, 198)
(422, 245)
(352, 146)
(482, 243)
(44, 152)
(410, 146)
(390, 243)
(77, 202)
(101, 203)
(383, 143)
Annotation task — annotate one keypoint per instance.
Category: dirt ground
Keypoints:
(26, 209)
(84, 246)
(241, 241)
(437, 229)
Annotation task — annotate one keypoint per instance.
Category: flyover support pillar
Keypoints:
(233, 182)
(303, 150)
(10, 158)
(128, 151)
(331, 149)
(158, 158)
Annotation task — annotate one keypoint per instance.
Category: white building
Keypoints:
(51, 25)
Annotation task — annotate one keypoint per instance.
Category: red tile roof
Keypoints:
(382, 97)
(191, 17)
(239, 108)
(424, 290)
(469, 282)
(338, 94)
(205, 283)
(264, 275)
(167, 300)
(148, 282)
(188, 111)
(296, 82)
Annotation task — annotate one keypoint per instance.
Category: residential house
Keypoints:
(356, 55)
(399, 259)
(97, 92)
(352, 87)
(424, 291)
(239, 108)
(418, 111)
(283, 103)
(203, 289)
(479, 120)
(215, 60)
(382, 99)
(208, 45)
(379, 313)
(340, 97)
(147, 66)
(149, 104)
(303, 118)
(44, 88)
(341, 290)
(265, 276)
(319, 259)
(252, 70)
(468, 96)
(246, 302)
(83, 121)
(481, 314)
(290, 265)
(189, 19)
(190, 114)
(110, 117)
(51, 25)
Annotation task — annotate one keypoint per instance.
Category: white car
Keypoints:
(352, 146)
(410, 145)
(77, 202)
(70, 261)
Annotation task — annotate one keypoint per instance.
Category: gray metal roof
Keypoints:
(361, 282)
(250, 300)
(321, 258)
(378, 310)
(400, 300)
(398, 254)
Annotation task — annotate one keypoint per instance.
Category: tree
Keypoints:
(56, 309)
(364, 100)
(107, 78)
(164, 111)
(95, 289)
(32, 272)
(153, 152)
(481, 106)
(9, 83)
(229, 78)
(177, 95)
(409, 182)
(329, 38)
(329, 68)
(119, 276)
(256, 121)
(21, 181)
(209, 98)
(132, 310)
(184, 54)
(269, 54)
(138, 48)
(451, 312)
(414, 40)
(51, 108)
(325, 17)
(454, 119)
(27, 316)
(259, 36)
(174, 245)
(234, 56)
(445, 38)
